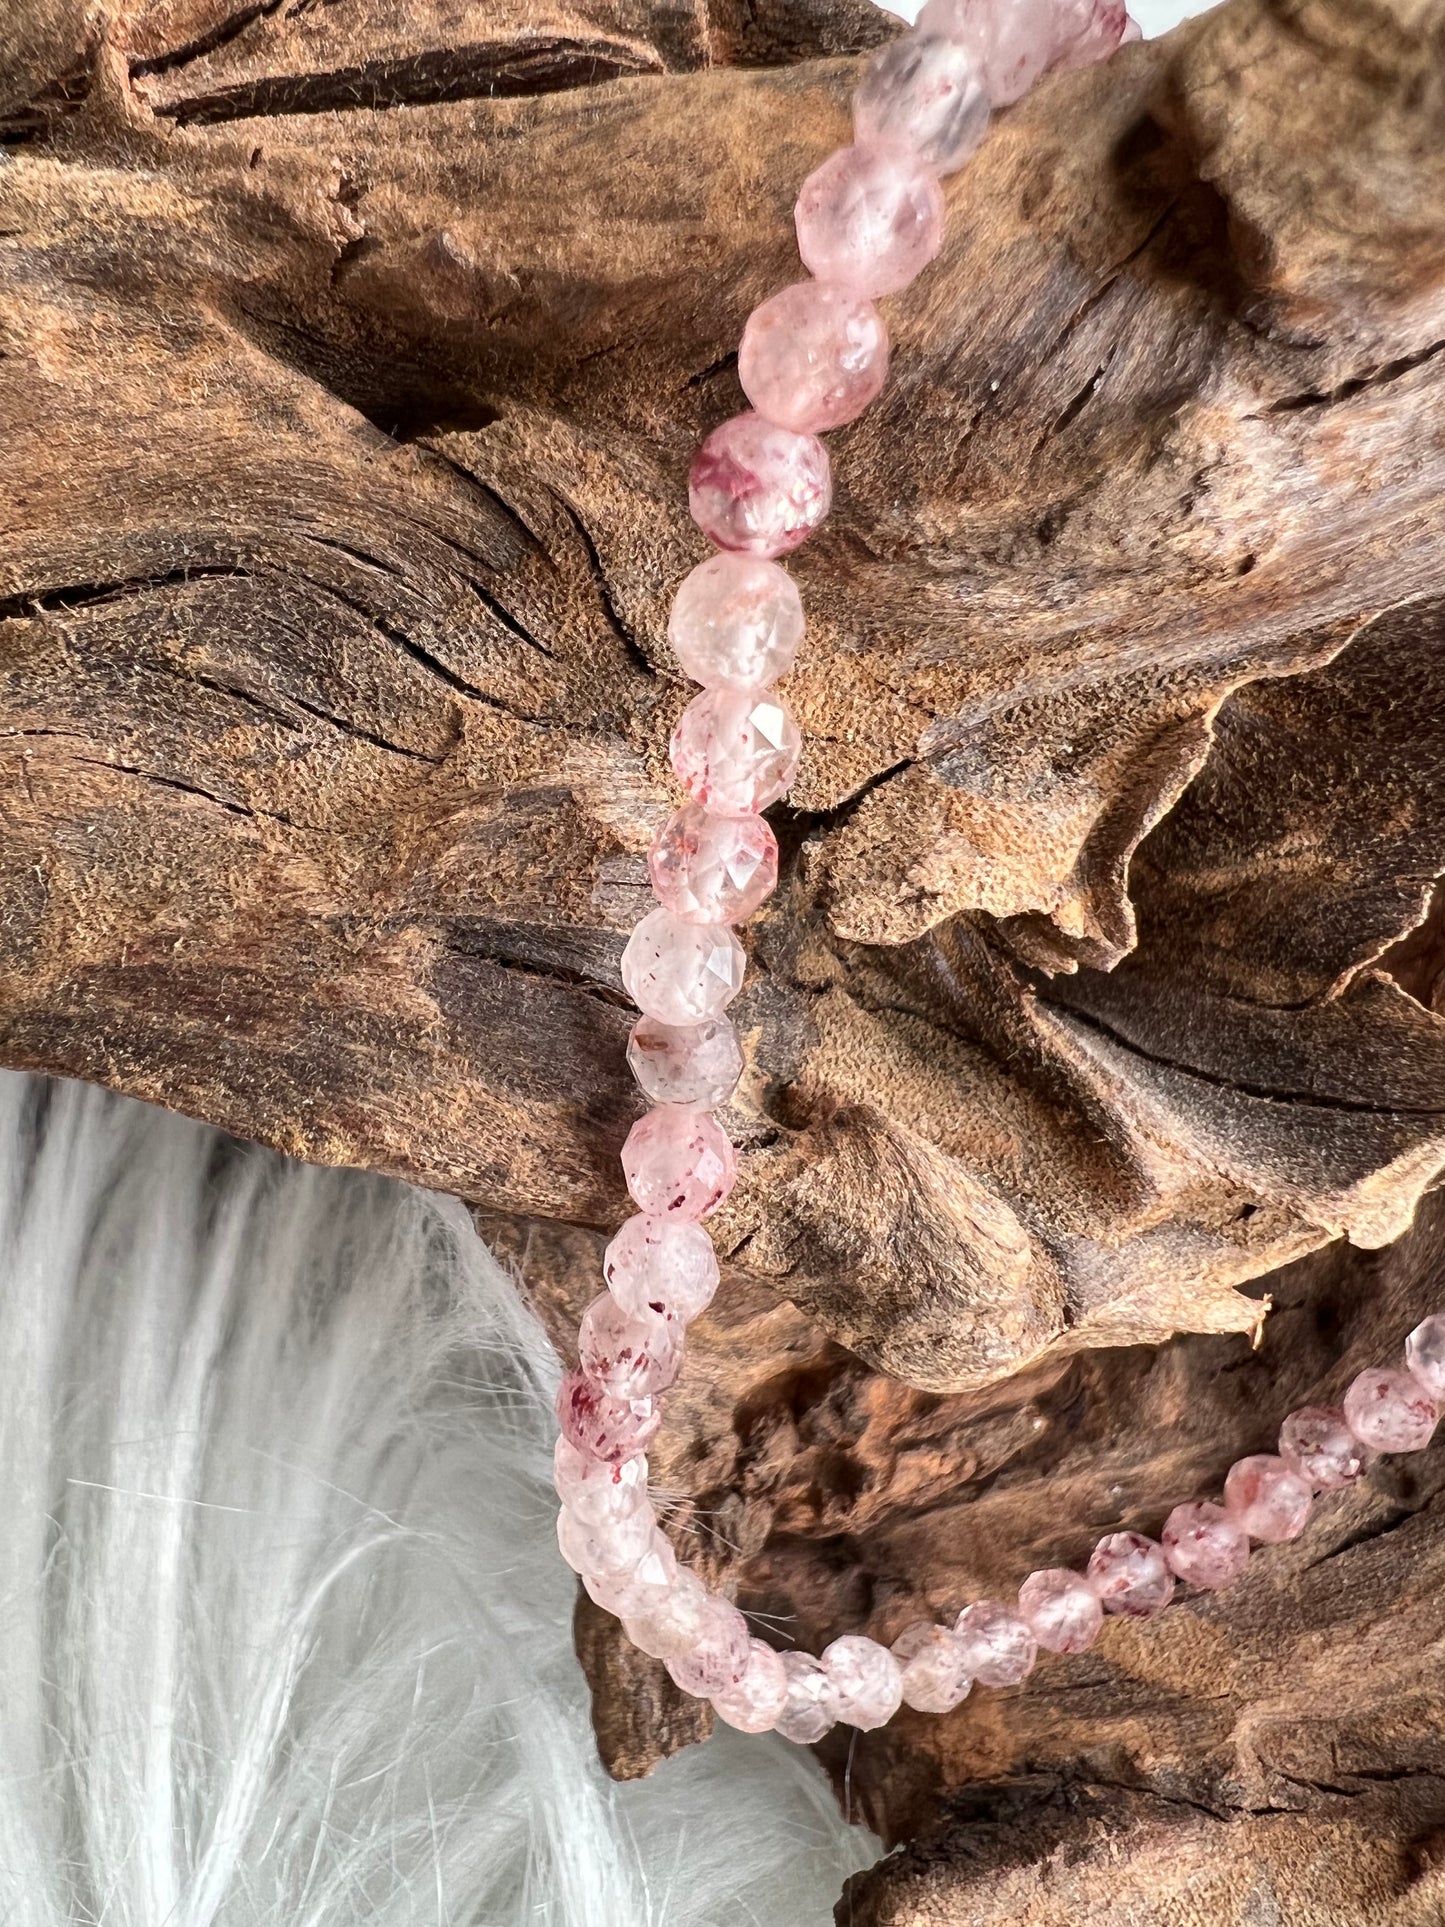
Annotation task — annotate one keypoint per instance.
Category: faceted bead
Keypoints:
(754, 1703)
(925, 94)
(1061, 1610)
(713, 869)
(998, 1647)
(811, 1708)
(735, 751)
(616, 1547)
(682, 972)
(606, 1428)
(1129, 1574)
(1316, 1443)
(1011, 41)
(935, 1678)
(627, 1355)
(1205, 1546)
(661, 1265)
(737, 621)
(1390, 1412)
(636, 1593)
(1425, 1355)
(870, 219)
(813, 357)
(867, 1680)
(1087, 31)
(596, 1492)
(1266, 1498)
(667, 1620)
(678, 1163)
(697, 1064)
(718, 1657)
(759, 488)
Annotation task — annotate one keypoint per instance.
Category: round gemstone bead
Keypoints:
(637, 1592)
(1205, 1546)
(718, 1657)
(595, 1492)
(925, 94)
(737, 621)
(678, 1163)
(661, 1265)
(713, 869)
(682, 972)
(1061, 1610)
(867, 1679)
(603, 1427)
(935, 1677)
(616, 1547)
(813, 357)
(1316, 1443)
(1390, 1411)
(697, 1064)
(627, 1355)
(1087, 31)
(1425, 1356)
(735, 751)
(1011, 41)
(754, 1703)
(811, 1708)
(1130, 1575)
(759, 488)
(1266, 1498)
(869, 219)
(667, 1619)
(998, 1647)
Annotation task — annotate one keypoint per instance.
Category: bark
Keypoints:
(351, 367)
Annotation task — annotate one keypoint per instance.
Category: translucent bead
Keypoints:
(1205, 1546)
(1390, 1412)
(870, 219)
(811, 1708)
(713, 869)
(867, 1680)
(718, 1658)
(1011, 41)
(616, 1547)
(1316, 1443)
(697, 1064)
(935, 1677)
(667, 1620)
(1425, 1356)
(1061, 1610)
(627, 1355)
(678, 1163)
(735, 751)
(661, 1265)
(999, 1649)
(813, 357)
(596, 1492)
(1130, 1575)
(606, 1428)
(682, 972)
(737, 621)
(759, 488)
(926, 94)
(636, 1593)
(1266, 1498)
(1088, 31)
(755, 1702)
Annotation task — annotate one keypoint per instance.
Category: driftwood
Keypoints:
(350, 368)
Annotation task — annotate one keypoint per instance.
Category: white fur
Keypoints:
(284, 1636)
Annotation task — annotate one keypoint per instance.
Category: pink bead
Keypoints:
(754, 1703)
(759, 488)
(1316, 1443)
(735, 751)
(1390, 1412)
(666, 1620)
(1011, 41)
(605, 1550)
(924, 94)
(628, 1356)
(636, 1593)
(1129, 1574)
(696, 1064)
(998, 1647)
(1205, 1546)
(682, 972)
(713, 869)
(661, 1265)
(811, 1708)
(718, 1658)
(869, 219)
(1425, 1356)
(1088, 31)
(737, 620)
(596, 1492)
(610, 1429)
(678, 1163)
(1061, 1610)
(867, 1679)
(1266, 1499)
(935, 1677)
(813, 357)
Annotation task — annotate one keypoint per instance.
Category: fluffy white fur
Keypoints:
(284, 1637)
